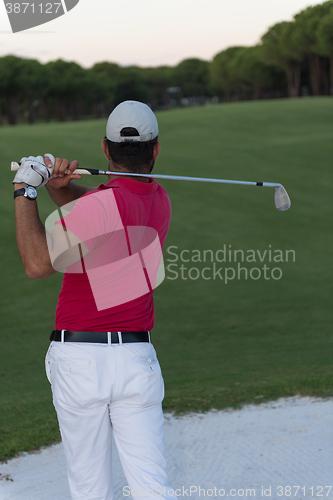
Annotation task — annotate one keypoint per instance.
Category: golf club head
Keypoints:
(281, 199)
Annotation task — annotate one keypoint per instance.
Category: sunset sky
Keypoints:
(149, 32)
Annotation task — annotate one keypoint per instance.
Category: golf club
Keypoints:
(281, 198)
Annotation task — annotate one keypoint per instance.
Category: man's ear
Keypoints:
(156, 152)
(105, 149)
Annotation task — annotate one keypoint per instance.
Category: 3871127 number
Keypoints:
(32, 8)
(293, 491)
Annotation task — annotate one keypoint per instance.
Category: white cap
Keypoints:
(132, 114)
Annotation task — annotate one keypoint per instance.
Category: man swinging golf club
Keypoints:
(101, 363)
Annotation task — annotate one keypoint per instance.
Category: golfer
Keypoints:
(101, 363)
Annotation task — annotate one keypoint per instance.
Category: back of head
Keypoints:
(131, 135)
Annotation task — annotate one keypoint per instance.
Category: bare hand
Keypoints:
(62, 173)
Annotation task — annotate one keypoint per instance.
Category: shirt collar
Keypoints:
(131, 185)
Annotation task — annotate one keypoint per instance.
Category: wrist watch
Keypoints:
(27, 191)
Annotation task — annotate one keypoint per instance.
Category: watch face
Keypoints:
(31, 192)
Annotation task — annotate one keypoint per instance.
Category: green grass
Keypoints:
(219, 344)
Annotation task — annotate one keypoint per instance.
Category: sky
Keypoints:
(147, 32)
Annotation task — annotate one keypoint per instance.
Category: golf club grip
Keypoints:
(83, 171)
(80, 171)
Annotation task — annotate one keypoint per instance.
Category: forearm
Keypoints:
(66, 194)
(31, 239)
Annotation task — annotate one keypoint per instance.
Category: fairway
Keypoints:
(252, 337)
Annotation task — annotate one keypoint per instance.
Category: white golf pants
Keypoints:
(97, 387)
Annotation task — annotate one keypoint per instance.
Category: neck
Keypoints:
(129, 176)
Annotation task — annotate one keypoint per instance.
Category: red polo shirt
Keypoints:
(115, 209)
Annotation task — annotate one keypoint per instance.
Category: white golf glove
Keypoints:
(33, 171)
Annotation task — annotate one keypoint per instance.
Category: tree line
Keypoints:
(293, 58)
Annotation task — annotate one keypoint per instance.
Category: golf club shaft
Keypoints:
(182, 178)
(92, 171)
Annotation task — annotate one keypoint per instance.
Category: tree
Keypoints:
(280, 49)
(325, 41)
(254, 75)
(67, 87)
(11, 84)
(224, 81)
(131, 84)
(307, 23)
(97, 92)
(123, 83)
(158, 81)
(109, 74)
(33, 84)
(192, 76)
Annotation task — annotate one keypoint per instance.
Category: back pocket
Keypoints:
(74, 365)
(149, 363)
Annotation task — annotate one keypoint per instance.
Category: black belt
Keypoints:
(100, 337)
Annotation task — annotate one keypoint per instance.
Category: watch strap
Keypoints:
(19, 192)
